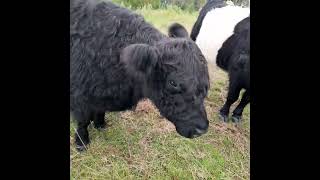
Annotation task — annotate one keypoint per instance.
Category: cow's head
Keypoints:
(175, 75)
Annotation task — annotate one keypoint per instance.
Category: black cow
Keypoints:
(117, 59)
(234, 57)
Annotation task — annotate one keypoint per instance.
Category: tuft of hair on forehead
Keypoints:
(181, 48)
(185, 56)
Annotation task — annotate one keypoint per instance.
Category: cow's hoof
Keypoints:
(80, 148)
(223, 117)
(82, 144)
(236, 119)
(101, 127)
(134, 108)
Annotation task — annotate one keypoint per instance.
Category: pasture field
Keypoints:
(143, 145)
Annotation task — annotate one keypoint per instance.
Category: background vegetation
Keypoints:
(189, 5)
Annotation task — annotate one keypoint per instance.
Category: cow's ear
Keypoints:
(176, 30)
(139, 59)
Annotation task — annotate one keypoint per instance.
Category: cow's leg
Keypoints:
(82, 134)
(237, 113)
(134, 107)
(99, 122)
(233, 95)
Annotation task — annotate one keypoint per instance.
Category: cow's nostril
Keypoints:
(201, 131)
(198, 132)
(195, 135)
(202, 126)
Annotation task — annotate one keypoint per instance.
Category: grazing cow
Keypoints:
(118, 59)
(222, 32)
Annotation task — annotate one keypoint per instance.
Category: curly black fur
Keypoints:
(117, 59)
(234, 57)
(178, 31)
(206, 8)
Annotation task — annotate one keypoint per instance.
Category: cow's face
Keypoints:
(176, 77)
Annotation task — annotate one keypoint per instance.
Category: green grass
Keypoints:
(163, 18)
(143, 145)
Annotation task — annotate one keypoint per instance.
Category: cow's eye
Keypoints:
(172, 83)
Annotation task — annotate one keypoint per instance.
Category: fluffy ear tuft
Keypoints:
(176, 30)
(139, 59)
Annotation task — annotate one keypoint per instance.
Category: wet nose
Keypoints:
(200, 129)
(202, 125)
(199, 132)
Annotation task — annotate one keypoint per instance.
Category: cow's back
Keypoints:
(98, 32)
(217, 26)
(106, 28)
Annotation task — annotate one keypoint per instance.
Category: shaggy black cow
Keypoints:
(117, 59)
(234, 57)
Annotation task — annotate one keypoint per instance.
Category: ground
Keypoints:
(144, 145)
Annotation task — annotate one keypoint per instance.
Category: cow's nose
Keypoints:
(202, 125)
(198, 131)
(201, 131)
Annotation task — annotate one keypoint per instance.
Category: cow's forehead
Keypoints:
(191, 79)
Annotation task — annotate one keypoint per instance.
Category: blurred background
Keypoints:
(189, 5)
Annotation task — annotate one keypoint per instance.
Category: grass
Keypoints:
(163, 18)
(143, 145)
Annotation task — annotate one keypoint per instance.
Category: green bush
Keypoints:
(244, 3)
(189, 5)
